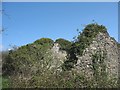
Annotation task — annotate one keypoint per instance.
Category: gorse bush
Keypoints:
(64, 44)
(22, 60)
(43, 41)
(28, 61)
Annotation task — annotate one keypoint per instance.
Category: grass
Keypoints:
(4, 82)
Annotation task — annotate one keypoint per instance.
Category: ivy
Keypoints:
(84, 39)
(99, 67)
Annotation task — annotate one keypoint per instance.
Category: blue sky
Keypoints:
(27, 22)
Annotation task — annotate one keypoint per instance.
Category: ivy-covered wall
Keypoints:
(90, 61)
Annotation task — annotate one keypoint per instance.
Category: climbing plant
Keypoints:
(100, 73)
(84, 39)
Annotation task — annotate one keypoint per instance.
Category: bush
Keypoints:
(118, 44)
(64, 44)
(27, 61)
(43, 41)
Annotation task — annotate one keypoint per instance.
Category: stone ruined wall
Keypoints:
(59, 56)
(102, 43)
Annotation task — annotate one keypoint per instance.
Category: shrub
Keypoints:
(64, 44)
(27, 60)
(118, 44)
(43, 41)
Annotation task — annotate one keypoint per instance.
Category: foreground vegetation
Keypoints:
(29, 65)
